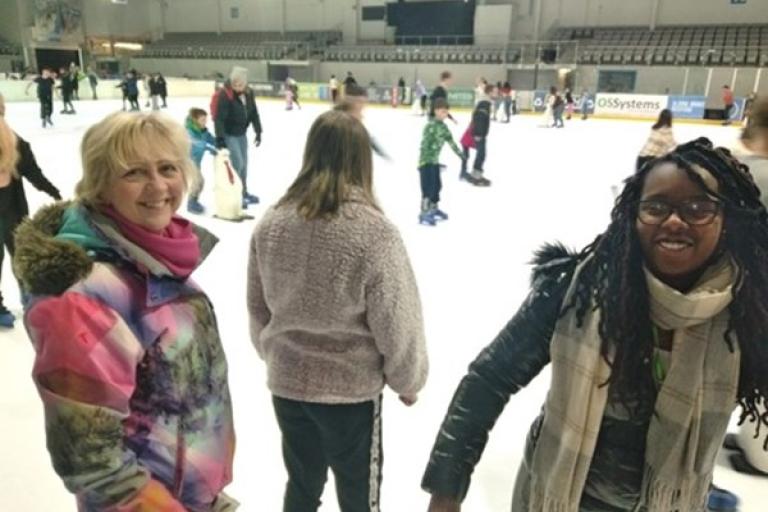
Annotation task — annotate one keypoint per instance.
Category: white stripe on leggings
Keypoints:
(373, 483)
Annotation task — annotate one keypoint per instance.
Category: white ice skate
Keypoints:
(227, 189)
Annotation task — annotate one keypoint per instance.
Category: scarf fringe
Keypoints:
(658, 496)
(541, 501)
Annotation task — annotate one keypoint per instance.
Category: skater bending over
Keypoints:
(654, 333)
(476, 137)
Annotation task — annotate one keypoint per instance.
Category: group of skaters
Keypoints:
(154, 85)
(654, 332)
(67, 82)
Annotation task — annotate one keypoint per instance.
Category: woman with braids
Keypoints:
(656, 332)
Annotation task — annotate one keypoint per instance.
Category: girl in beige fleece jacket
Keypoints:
(335, 313)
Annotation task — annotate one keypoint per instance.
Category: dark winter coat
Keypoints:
(234, 112)
(44, 87)
(132, 86)
(155, 88)
(67, 85)
(163, 86)
(28, 169)
(439, 92)
(481, 119)
(516, 356)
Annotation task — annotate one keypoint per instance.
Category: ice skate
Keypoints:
(477, 179)
(426, 218)
(439, 214)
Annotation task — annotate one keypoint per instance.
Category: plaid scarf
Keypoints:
(691, 412)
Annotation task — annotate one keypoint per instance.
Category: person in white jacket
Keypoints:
(661, 140)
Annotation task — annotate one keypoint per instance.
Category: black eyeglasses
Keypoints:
(694, 212)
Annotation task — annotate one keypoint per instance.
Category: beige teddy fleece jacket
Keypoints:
(334, 307)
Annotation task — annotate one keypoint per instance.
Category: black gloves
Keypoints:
(220, 144)
(257, 140)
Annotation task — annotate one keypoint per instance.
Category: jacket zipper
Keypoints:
(180, 457)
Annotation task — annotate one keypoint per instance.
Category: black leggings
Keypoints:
(6, 241)
(345, 438)
(46, 107)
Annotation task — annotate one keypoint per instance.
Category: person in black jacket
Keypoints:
(441, 92)
(45, 84)
(666, 311)
(155, 90)
(235, 110)
(163, 89)
(16, 162)
(349, 81)
(66, 86)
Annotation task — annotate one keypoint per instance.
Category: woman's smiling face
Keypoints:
(677, 249)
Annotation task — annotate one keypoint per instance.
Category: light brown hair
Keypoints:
(195, 113)
(120, 140)
(758, 120)
(9, 154)
(337, 160)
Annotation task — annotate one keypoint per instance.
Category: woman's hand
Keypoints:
(409, 400)
(443, 504)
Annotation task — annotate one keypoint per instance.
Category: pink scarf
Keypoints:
(177, 247)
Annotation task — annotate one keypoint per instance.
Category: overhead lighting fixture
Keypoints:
(129, 46)
(125, 46)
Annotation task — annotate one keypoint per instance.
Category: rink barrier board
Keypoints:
(686, 109)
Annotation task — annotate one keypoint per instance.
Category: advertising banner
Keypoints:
(309, 91)
(265, 89)
(630, 105)
(737, 112)
(539, 101)
(687, 107)
(464, 98)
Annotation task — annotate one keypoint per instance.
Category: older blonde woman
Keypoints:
(128, 364)
(16, 162)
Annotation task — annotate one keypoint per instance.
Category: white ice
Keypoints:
(472, 271)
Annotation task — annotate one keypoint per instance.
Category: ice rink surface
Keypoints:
(548, 185)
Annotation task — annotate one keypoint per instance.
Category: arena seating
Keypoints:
(739, 45)
(427, 54)
(743, 45)
(7, 48)
(240, 45)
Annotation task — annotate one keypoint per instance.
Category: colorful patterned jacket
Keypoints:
(129, 366)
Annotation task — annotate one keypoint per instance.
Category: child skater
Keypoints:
(45, 84)
(66, 85)
(475, 137)
(436, 133)
(201, 141)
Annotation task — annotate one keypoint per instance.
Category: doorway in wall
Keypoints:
(56, 59)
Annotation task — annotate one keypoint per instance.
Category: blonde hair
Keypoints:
(337, 158)
(9, 153)
(120, 140)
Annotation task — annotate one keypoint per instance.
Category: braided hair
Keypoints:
(614, 283)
